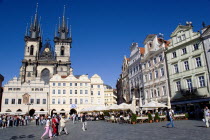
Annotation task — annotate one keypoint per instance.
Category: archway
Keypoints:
(52, 112)
(19, 110)
(31, 112)
(42, 110)
(45, 75)
(72, 111)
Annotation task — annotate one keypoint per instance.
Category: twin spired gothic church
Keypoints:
(34, 91)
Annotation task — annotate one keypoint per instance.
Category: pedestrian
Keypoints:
(170, 118)
(54, 125)
(48, 128)
(63, 125)
(206, 116)
(37, 120)
(84, 123)
(74, 117)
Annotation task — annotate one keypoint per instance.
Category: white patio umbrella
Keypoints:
(153, 104)
(114, 107)
(99, 108)
(124, 106)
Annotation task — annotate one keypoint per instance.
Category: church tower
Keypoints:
(33, 42)
(63, 42)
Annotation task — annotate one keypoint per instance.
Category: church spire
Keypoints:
(62, 28)
(35, 26)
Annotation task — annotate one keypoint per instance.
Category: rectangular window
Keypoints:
(195, 46)
(75, 91)
(19, 101)
(37, 101)
(198, 61)
(99, 93)
(184, 51)
(53, 91)
(32, 101)
(176, 69)
(59, 84)
(86, 101)
(81, 101)
(174, 55)
(75, 101)
(179, 39)
(53, 101)
(64, 101)
(91, 92)
(155, 61)
(189, 83)
(59, 91)
(183, 37)
(10, 89)
(150, 76)
(156, 74)
(98, 86)
(6, 101)
(75, 84)
(92, 100)
(64, 91)
(53, 84)
(201, 81)
(70, 91)
(43, 101)
(86, 91)
(86, 84)
(149, 64)
(164, 90)
(70, 84)
(160, 57)
(162, 71)
(158, 92)
(151, 93)
(64, 84)
(59, 101)
(80, 84)
(70, 101)
(80, 91)
(178, 85)
(91, 86)
(186, 65)
(145, 77)
(32, 89)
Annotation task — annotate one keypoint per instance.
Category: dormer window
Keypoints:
(150, 45)
(62, 51)
(179, 39)
(183, 37)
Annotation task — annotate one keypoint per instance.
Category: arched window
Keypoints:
(29, 74)
(32, 50)
(45, 75)
(62, 50)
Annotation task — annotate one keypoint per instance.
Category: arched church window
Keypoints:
(32, 50)
(45, 75)
(61, 69)
(62, 50)
(28, 49)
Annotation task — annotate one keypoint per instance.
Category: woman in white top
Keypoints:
(47, 128)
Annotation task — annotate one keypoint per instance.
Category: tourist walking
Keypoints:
(84, 123)
(47, 128)
(206, 116)
(74, 117)
(170, 118)
(54, 125)
(63, 125)
(37, 120)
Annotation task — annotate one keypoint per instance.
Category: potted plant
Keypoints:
(186, 116)
(150, 117)
(133, 118)
(157, 118)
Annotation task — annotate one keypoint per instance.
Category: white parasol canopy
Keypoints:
(113, 107)
(124, 106)
(153, 104)
(99, 108)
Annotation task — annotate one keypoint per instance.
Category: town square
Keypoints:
(104, 69)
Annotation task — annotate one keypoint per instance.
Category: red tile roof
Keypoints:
(142, 50)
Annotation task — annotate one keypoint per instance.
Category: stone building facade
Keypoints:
(74, 93)
(187, 67)
(155, 77)
(109, 97)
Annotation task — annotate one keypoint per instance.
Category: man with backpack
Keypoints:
(169, 116)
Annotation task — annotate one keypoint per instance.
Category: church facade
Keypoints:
(30, 92)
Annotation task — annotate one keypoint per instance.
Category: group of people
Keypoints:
(13, 120)
(58, 124)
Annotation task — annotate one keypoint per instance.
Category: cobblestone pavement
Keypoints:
(100, 130)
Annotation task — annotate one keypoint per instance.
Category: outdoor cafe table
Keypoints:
(142, 119)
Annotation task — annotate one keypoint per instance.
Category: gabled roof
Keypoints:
(160, 41)
(149, 37)
(142, 50)
(180, 27)
(207, 31)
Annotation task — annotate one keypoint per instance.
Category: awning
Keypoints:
(189, 101)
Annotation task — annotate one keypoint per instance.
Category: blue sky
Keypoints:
(102, 30)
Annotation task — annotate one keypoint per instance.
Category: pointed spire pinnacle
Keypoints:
(26, 34)
(55, 31)
(70, 31)
(64, 9)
